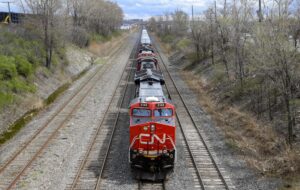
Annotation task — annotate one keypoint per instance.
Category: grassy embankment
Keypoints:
(252, 136)
(20, 58)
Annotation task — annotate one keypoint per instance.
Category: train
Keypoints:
(152, 117)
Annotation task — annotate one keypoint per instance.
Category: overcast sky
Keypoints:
(3, 6)
(143, 8)
(147, 8)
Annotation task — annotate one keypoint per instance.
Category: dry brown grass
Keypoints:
(166, 48)
(103, 49)
(256, 142)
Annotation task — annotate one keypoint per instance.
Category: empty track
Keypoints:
(205, 171)
(151, 185)
(14, 167)
(92, 165)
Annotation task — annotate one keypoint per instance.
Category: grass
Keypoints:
(102, 38)
(6, 99)
(56, 94)
(9, 89)
(183, 43)
(18, 125)
(262, 148)
(27, 117)
(292, 183)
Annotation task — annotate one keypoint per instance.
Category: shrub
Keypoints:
(183, 43)
(168, 38)
(7, 68)
(80, 36)
(5, 99)
(24, 68)
(19, 86)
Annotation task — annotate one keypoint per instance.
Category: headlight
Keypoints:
(152, 128)
(145, 128)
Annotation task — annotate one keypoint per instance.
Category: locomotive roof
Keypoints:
(145, 41)
(150, 89)
(147, 58)
(149, 75)
(143, 99)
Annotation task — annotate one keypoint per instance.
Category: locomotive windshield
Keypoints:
(138, 112)
(147, 65)
(163, 112)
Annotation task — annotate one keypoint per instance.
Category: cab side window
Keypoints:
(141, 112)
(163, 112)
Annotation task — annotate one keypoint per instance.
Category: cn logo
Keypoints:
(154, 136)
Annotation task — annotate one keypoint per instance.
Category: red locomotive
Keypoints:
(152, 121)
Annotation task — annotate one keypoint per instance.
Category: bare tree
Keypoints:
(179, 22)
(46, 20)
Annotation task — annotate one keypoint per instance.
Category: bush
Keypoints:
(19, 86)
(168, 38)
(100, 38)
(24, 68)
(5, 99)
(183, 43)
(7, 68)
(80, 37)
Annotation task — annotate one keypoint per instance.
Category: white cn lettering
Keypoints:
(154, 136)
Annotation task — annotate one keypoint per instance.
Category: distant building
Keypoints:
(126, 27)
(132, 21)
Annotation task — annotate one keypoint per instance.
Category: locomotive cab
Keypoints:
(152, 134)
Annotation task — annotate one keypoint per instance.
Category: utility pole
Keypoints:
(23, 6)
(216, 11)
(193, 17)
(259, 11)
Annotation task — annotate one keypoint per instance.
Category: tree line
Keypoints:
(257, 48)
(59, 21)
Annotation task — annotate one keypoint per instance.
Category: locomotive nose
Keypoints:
(152, 128)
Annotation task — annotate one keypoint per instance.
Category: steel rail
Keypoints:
(142, 185)
(96, 75)
(87, 154)
(116, 122)
(187, 144)
(193, 121)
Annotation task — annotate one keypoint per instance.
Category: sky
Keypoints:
(142, 9)
(13, 6)
(147, 8)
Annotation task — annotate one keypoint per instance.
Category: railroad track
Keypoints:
(205, 170)
(15, 166)
(151, 185)
(95, 158)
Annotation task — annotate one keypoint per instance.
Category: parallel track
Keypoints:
(207, 174)
(23, 158)
(151, 185)
(94, 157)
